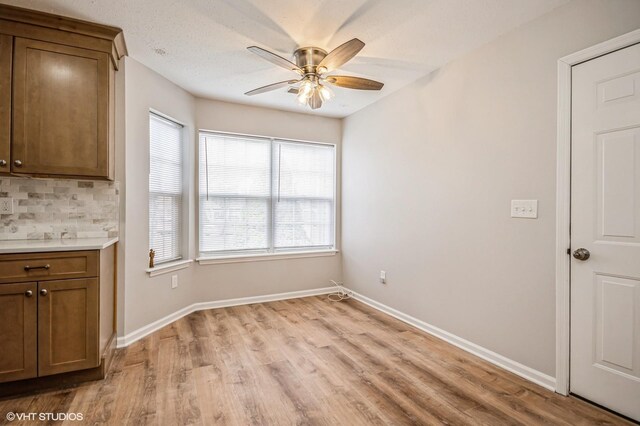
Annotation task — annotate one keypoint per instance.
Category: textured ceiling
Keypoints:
(200, 44)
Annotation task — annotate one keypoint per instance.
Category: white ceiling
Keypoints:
(201, 44)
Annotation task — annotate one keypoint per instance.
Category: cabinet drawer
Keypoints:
(48, 266)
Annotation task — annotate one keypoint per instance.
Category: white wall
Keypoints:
(429, 172)
(146, 299)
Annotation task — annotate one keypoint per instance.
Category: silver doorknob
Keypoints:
(17, 163)
(581, 254)
(3, 163)
(44, 292)
(28, 293)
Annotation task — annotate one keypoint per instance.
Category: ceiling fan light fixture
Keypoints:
(311, 63)
(306, 88)
(302, 99)
(325, 93)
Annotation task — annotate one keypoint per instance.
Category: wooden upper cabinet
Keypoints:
(6, 56)
(18, 331)
(57, 96)
(60, 110)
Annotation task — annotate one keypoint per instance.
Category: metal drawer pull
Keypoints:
(3, 163)
(44, 292)
(28, 293)
(29, 268)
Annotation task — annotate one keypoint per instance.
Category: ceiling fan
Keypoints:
(313, 65)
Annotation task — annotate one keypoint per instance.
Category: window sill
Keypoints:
(263, 257)
(165, 268)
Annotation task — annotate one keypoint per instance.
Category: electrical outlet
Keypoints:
(174, 281)
(383, 277)
(6, 205)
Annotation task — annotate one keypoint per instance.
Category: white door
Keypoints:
(605, 220)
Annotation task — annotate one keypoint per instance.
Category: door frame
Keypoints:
(563, 197)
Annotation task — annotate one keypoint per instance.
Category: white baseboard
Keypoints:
(515, 367)
(138, 334)
(156, 325)
(521, 370)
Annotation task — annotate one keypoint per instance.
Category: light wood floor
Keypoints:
(305, 361)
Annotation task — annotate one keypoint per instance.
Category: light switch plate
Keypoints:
(527, 209)
(6, 205)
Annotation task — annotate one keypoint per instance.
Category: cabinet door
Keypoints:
(67, 325)
(6, 55)
(18, 331)
(60, 110)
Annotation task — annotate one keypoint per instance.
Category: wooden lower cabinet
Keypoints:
(18, 331)
(67, 326)
(55, 331)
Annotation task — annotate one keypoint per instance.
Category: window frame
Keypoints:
(233, 256)
(185, 179)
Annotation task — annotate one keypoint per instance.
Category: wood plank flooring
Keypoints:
(305, 361)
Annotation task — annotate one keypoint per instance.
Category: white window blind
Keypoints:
(165, 188)
(304, 187)
(261, 195)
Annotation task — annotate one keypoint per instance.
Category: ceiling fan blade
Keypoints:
(275, 59)
(341, 55)
(270, 87)
(315, 101)
(294, 90)
(350, 82)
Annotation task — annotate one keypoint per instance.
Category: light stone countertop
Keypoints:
(71, 244)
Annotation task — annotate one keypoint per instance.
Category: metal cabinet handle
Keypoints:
(3, 163)
(17, 163)
(582, 254)
(44, 292)
(28, 293)
(29, 268)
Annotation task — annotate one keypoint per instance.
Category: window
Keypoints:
(260, 195)
(165, 188)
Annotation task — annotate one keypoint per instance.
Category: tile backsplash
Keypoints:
(46, 209)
